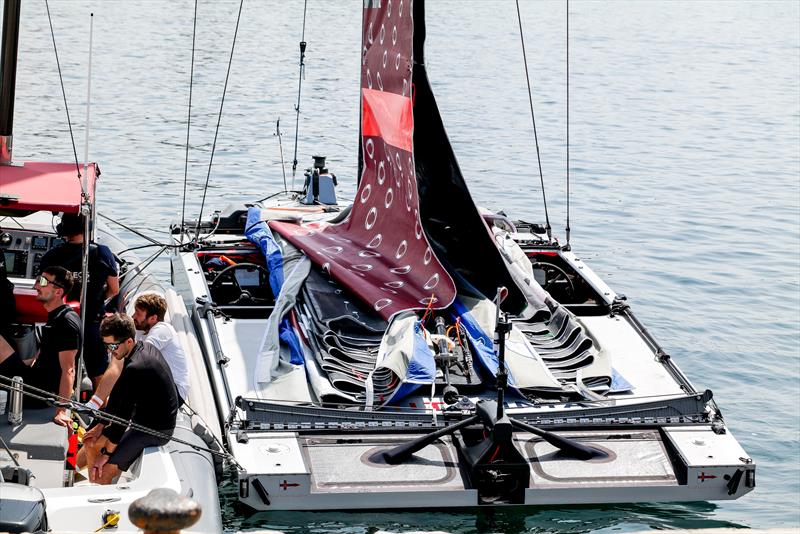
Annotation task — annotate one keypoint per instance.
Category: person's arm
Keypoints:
(121, 404)
(109, 262)
(112, 286)
(67, 360)
(107, 383)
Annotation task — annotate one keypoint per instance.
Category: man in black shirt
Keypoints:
(53, 367)
(7, 303)
(144, 393)
(103, 284)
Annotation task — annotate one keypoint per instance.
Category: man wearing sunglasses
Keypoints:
(144, 394)
(52, 368)
(103, 285)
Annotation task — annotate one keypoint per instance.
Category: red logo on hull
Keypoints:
(286, 485)
(702, 477)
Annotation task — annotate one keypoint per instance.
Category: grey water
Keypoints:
(684, 154)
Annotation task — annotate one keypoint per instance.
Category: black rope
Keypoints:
(63, 92)
(149, 245)
(188, 122)
(128, 228)
(57, 401)
(138, 270)
(299, 88)
(568, 227)
(533, 118)
(219, 119)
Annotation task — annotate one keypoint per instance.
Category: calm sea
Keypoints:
(685, 174)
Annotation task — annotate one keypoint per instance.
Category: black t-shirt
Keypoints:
(144, 393)
(8, 312)
(61, 332)
(102, 264)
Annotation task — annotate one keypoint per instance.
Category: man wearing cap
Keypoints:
(52, 369)
(103, 285)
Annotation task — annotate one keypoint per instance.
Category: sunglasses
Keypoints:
(44, 282)
(113, 346)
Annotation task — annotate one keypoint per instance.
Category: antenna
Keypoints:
(567, 246)
(299, 89)
(87, 211)
(85, 182)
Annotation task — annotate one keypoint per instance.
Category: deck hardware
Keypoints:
(262, 491)
(750, 477)
(733, 481)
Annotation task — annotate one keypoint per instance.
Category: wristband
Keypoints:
(104, 451)
(95, 402)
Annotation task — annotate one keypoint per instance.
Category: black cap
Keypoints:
(71, 224)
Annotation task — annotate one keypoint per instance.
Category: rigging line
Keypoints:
(533, 119)
(63, 92)
(138, 270)
(567, 247)
(280, 146)
(188, 122)
(140, 247)
(128, 228)
(219, 119)
(299, 88)
(58, 401)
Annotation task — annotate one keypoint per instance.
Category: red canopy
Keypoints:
(42, 186)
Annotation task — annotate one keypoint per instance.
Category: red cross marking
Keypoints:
(286, 485)
(703, 476)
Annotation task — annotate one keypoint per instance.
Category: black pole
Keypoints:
(502, 328)
(8, 73)
(9, 68)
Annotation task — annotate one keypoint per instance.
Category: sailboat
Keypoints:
(412, 348)
(39, 488)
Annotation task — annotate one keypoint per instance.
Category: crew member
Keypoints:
(103, 285)
(53, 367)
(148, 317)
(144, 394)
(8, 304)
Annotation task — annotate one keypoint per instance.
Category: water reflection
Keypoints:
(568, 520)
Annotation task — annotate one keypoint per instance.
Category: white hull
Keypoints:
(662, 438)
(41, 446)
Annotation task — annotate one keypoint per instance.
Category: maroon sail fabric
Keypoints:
(380, 251)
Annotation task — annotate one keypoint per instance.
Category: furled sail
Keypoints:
(415, 239)
(380, 251)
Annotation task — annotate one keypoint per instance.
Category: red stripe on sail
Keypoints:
(389, 116)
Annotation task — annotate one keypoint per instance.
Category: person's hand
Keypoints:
(62, 418)
(97, 469)
(92, 434)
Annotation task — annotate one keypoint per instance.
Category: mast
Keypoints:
(8, 77)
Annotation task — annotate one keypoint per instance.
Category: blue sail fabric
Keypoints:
(404, 362)
(260, 235)
(421, 369)
(482, 344)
